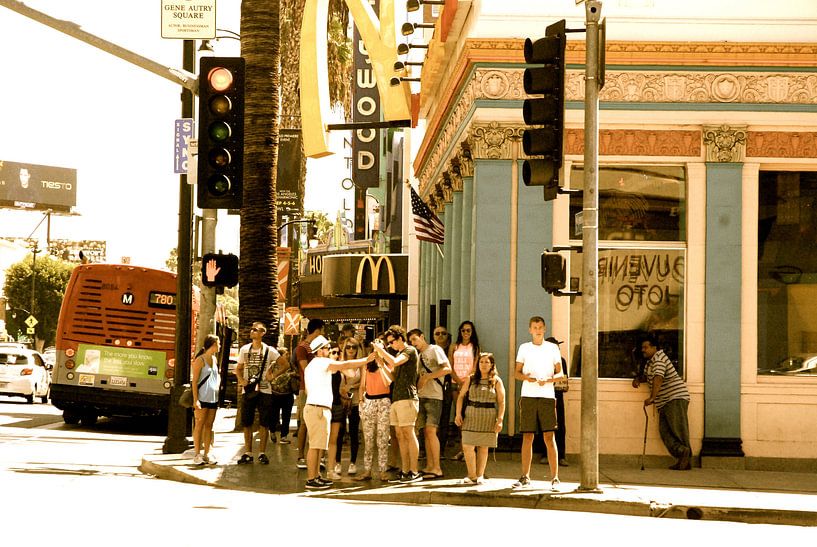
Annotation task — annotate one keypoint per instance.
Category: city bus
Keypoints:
(116, 338)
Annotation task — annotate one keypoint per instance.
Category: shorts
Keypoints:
(317, 420)
(429, 413)
(208, 405)
(537, 414)
(404, 413)
(264, 405)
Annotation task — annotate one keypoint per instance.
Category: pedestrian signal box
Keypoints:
(219, 270)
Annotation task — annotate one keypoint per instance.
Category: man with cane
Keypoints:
(670, 396)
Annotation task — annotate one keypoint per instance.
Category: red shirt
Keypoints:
(302, 353)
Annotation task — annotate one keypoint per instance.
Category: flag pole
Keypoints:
(440, 251)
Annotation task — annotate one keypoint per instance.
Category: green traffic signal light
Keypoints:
(219, 131)
(218, 185)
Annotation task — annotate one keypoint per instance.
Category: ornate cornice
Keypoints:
(634, 87)
(780, 144)
(637, 142)
(724, 143)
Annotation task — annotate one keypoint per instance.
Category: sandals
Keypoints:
(245, 458)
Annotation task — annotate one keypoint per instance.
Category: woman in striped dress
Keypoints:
(480, 417)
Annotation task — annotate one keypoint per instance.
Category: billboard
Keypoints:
(37, 187)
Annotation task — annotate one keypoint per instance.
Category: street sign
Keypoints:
(189, 19)
(182, 135)
(30, 330)
(31, 321)
(292, 322)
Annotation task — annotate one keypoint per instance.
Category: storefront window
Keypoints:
(641, 265)
(787, 274)
(636, 203)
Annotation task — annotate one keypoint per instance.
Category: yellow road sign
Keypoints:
(31, 321)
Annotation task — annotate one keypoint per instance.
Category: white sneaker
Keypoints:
(480, 480)
(467, 480)
(352, 469)
(333, 476)
(189, 453)
(198, 460)
(337, 469)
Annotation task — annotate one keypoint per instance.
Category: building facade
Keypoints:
(707, 220)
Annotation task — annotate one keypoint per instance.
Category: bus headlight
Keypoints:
(70, 375)
(69, 352)
(167, 385)
(69, 364)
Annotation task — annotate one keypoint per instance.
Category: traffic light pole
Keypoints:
(589, 456)
(176, 441)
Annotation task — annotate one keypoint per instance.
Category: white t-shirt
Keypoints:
(539, 362)
(318, 382)
(252, 363)
(434, 358)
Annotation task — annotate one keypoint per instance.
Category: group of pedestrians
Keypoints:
(400, 384)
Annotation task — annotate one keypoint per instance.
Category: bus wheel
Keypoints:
(70, 417)
(88, 419)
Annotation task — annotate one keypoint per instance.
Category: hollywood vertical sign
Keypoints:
(373, 36)
(366, 108)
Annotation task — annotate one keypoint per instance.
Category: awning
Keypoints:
(382, 276)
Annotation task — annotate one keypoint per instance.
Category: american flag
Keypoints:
(428, 226)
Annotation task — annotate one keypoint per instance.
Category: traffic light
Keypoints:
(547, 80)
(219, 270)
(554, 272)
(221, 132)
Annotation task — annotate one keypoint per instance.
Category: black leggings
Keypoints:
(354, 434)
(281, 413)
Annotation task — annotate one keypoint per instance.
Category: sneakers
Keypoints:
(337, 469)
(364, 475)
(480, 480)
(523, 482)
(198, 459)
(333, 476)
(327, 482)
(398, 477)
(352, 469)
(563, 463)
(284, 440)
(411, 477)
(263, 459)
(316, 484)
(554, 485)
(208, 460)
(301, 463)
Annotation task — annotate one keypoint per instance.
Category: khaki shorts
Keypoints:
(317, 419)
(404, 413)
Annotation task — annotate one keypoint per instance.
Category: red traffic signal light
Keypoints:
(221, 133)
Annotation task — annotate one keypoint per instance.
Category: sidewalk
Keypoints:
(708, 494)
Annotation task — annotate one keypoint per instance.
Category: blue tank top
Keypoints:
(208, 392)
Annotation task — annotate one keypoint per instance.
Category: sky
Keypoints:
(68, 104)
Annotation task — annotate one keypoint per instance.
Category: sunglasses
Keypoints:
(331, 351)
(465, 330)
(257, 329)
(390, 341)
(440, 333)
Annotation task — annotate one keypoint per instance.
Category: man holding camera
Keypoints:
(256, 362)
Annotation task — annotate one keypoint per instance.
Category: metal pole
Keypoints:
(590, 240)
(177, 419)
(207, 303)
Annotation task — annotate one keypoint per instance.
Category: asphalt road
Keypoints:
(80, 486)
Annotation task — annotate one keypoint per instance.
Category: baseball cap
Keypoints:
(553, 340)
(318, 343)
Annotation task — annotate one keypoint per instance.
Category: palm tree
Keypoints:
(258, 267)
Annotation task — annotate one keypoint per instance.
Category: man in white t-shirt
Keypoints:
(538, 366)
(318, 409)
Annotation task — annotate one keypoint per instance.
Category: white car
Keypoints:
(23, 373)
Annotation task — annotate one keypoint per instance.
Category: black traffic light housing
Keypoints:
(554, 272)
(221, 133)
(547, 111)
(219, 270)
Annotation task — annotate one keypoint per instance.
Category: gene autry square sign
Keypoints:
(189, 19)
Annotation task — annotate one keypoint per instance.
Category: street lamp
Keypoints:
(408, 28)
(414, 5)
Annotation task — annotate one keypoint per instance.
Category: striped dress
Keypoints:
(480, 419)
(672, 387)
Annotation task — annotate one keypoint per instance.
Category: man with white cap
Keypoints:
(318, 409)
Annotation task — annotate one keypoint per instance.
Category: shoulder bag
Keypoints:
(186, 398)
(251, 389)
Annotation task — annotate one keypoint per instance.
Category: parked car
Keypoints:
(50, 357)
(23, 373)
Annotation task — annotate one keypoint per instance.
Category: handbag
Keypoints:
(186, 398)
(282, 384)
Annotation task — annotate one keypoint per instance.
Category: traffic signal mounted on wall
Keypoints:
(547, 80)
(221, 133)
